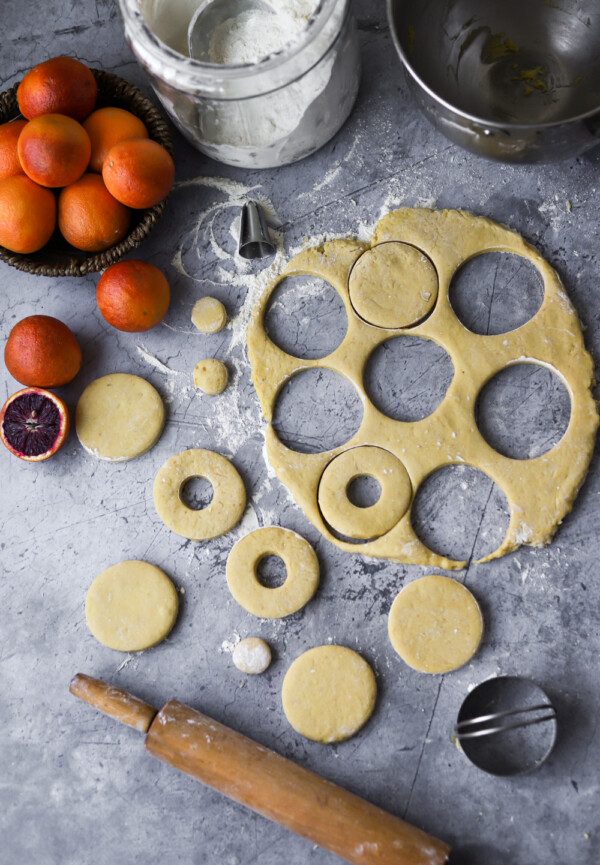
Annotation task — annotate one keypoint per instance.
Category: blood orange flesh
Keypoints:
(34, 424)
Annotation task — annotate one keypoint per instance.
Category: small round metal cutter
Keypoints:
(506, 726)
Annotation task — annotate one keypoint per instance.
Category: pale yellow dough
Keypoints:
(540, 491)
(227, 505)
(131, 606)
(435, 624)
(119, 417)
(328, 693)
(373, 521)
(211, 376)
(252, 655)
(393, 285)
(209, 315)
(300, 583)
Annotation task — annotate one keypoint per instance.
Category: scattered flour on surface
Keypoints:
(155, 362)
(229, 645)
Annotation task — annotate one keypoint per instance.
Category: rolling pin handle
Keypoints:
(113, 701)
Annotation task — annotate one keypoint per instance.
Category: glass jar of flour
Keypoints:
(280, 79)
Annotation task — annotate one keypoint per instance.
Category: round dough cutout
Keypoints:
(131, 606)
(435, 624)
(119, 417)
(209, 315)
(393, 285)
(299, 585)
(374, 521)
(226, 507)
(252, 655)
(211, 376)
(328, 693)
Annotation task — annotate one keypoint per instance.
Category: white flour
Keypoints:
(280, 108)
(257, 33)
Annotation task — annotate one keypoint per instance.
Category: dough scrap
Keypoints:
(393, 285)
(251, 655)
(435, 624)
(227, 505)
(211, 376)
(119, 417)
(371, 522)
(540, 491)
(209, 315)
(302, 572)
(131, 606)
(329, 693)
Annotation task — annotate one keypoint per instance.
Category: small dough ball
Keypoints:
(211, 376)
(329, 693)
(435, 624)
(209, 315)
(131, 606)
(252, 655)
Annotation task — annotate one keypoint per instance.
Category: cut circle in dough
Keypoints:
(329, 693)
(251, 655)
(131, 606)
(226, 507)
(119, 417)
(300, 583)
(393, 285)
(540, 491)
(435, 624)
(211, 376)
(374, 521)
(209, 315)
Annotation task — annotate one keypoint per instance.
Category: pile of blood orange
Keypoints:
(84, 170)
(101, 162)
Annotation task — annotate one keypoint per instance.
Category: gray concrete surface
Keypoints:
(78, 789)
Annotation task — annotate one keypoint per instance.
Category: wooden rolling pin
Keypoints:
(267, 783)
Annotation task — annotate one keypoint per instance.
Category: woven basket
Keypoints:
(58, 258)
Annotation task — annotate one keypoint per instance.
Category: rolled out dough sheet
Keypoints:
(540, 491)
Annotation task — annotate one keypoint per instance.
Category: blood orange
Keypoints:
(34, 424)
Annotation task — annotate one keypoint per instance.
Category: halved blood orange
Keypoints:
(34, 424)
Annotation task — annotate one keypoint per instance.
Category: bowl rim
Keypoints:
(481, 121)
(77, 262)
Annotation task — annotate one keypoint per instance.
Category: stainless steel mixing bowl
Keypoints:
(516, 80)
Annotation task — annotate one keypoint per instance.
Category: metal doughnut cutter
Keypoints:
(506, 726)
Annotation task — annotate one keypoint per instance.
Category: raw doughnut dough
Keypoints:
(393, 285)
(211, 376)
(328, 693)
(539, 491)
(209, 315)
(227, 505)
(131, 606)
(302, 572)
(252, 655)
(371, 522)
(435, 624)
(119, 417)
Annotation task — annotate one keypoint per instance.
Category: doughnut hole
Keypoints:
(406, 377)
(459, 512)
(496, 292)
(306, 317)
(523, 411)
(316, 410)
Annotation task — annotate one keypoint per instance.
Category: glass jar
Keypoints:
(257, 115)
